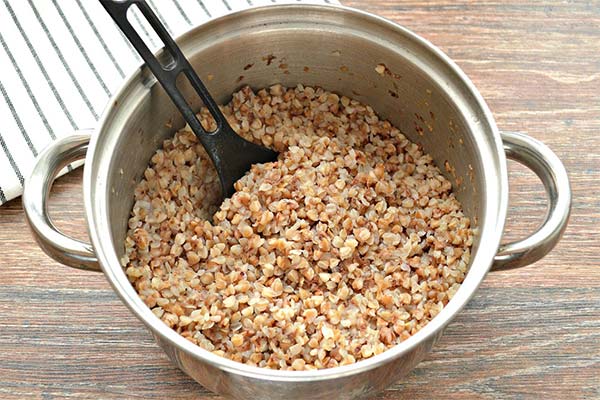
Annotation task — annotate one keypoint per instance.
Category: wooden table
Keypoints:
(529, 333)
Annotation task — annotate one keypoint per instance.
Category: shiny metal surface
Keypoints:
(540, 159)
(423, 93)
(71, 252)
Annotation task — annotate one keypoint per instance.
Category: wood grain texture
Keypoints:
(527, 334)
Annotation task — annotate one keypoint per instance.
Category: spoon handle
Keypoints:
(167, 74)
(231, 154)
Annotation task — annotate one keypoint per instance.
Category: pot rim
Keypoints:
(490, 232)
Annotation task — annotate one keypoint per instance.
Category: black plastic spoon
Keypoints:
(232, 155)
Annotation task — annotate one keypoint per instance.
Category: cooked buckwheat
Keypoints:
(345, 246)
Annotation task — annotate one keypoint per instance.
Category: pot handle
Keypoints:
(545, 164)
(52, 159)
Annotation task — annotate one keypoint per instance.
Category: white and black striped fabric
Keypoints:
(60, 62)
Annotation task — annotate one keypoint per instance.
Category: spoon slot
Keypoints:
(194, 101)
(135, 16)
(166, 73)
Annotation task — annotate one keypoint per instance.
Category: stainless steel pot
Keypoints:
(421, 91)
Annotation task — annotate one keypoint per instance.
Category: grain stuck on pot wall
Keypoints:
(346, 246)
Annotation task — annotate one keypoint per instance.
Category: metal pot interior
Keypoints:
(416, 93)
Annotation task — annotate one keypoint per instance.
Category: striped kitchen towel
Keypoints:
(61, 60)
